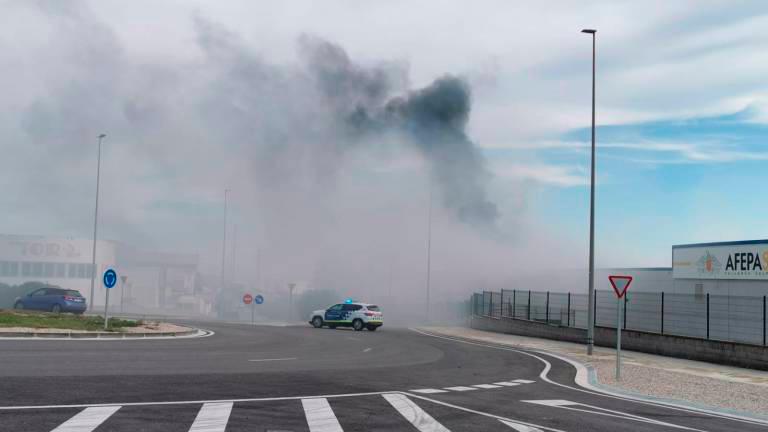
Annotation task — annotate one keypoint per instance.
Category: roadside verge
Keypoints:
(729, 391)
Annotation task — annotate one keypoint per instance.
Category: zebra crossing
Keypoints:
(393, 410)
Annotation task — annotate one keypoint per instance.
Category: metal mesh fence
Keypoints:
(715, 317)
(685, 315)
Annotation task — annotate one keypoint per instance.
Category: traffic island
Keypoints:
(30, 324)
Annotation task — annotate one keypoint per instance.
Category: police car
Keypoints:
(348, 314)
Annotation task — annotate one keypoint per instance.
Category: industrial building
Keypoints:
(154, 280)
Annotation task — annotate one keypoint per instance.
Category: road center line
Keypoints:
(273, 359)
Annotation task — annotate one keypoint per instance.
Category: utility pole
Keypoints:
(591, 298)
(95, 223)
(224, 243)
(429, 246)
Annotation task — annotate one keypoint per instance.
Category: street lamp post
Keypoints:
(429, 247)
(224, 242)
(591, 299)
(95, 224)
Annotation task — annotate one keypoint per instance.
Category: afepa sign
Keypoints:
(746, 260)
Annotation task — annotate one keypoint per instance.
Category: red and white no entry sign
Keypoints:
(247, 299)
(620, 284)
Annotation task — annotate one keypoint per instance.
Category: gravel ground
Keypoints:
(661, 383)
(663, 377)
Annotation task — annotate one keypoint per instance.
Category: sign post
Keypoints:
(620, 285)
(248, 299)
(110, 279)
(122, 291)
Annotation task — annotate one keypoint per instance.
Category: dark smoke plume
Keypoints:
(432, 119)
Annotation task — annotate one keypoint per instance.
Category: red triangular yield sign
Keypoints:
(620, 284)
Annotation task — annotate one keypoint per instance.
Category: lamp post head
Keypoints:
(590, 31)
(102, 136)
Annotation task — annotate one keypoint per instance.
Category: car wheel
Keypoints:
(357, 324)
(372, 328)
(317, 322)
(19, 306)
(56, 308)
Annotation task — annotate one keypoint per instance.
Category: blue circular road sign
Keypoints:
(259, 299)
(110, 278)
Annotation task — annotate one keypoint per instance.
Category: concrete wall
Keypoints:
(728, 353)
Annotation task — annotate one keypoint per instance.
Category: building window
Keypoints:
(81, 271)
(13, 269)
(699, 291)
(61, 270)
(37, 269)
(26, 269)
(49, 269)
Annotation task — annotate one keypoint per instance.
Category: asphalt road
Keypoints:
(245, 378)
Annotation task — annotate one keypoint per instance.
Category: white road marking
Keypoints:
(414, 414)
(507, 384)
(212, 417)
(583, 381)
(552, 402)
(520, 427)
(429, 391)
(591, 409)
(87, 419)
(273, 359)
(460, 388)
(320, 416)
(486, 386)
(480, 413)
(367, 349)
(521, 381)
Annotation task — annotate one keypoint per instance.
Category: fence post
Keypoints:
(501, 305)
(707, 315)
(569, 310)
(662, 312)
(625, 311)
(764, 327)
(490, 305)
(546, 315)
(529, 305)
(594, 316)
(514, 302)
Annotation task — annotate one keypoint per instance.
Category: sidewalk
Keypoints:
(699, 383)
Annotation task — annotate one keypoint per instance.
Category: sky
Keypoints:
(199, 96)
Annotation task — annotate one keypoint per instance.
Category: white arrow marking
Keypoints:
(569, 405)
(521, 427)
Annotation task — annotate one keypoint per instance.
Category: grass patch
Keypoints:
(61, 321)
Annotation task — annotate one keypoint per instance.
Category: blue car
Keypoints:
(53, 300)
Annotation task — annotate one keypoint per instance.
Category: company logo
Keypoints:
(709, 263)
(745, 261)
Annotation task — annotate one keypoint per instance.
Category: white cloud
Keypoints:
(551, 175)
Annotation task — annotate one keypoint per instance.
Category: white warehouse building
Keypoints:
(155, 280)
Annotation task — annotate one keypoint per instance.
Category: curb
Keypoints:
(96, 335)
(586, 377)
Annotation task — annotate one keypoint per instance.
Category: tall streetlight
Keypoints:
(429, 246)
(591, 300)
(224, 242)
(95, 223)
